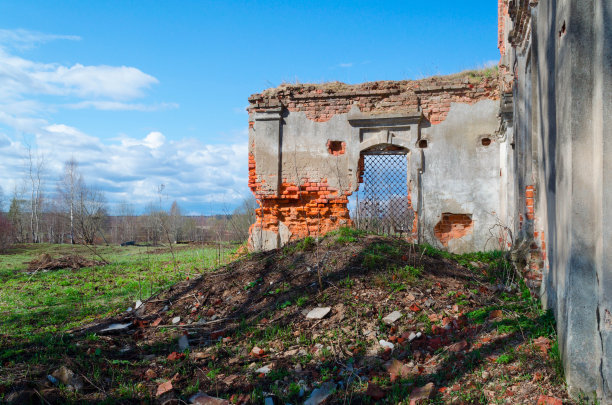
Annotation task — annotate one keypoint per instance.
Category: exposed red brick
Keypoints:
(453, 226)
(433, 95)
(308, 209)
(336, 148)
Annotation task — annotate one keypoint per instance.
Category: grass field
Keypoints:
(32, 303)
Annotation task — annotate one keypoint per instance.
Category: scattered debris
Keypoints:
(542, 343)
(320, 394)
(458, 347)
(116, 327)
(318, 313)
(546, 400)
(392, 317)
(166, 386)
(67, 377)
(163, 388)
(397, 369)
(263, 370)
(261, 340)
(257, 352)
(496, 314)
(183, 343)
(175, 356)
(422, 394)
(204, 399)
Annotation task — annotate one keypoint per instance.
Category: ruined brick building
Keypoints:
(308, 145)
(514, 159)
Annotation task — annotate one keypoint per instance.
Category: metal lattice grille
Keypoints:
(382, 200)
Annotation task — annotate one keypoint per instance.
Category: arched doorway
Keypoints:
(382, 203)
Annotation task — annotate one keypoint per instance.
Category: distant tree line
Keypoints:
(78, 213)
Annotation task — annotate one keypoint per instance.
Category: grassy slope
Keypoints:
(58, 300)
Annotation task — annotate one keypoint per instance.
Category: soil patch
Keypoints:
(46, 262)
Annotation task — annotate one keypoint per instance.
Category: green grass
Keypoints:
(346, 235)
(378, 255)
(58, 300)
(304, 244)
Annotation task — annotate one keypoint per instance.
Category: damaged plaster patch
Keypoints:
(284, 233)
(453, 226)
(336, 148)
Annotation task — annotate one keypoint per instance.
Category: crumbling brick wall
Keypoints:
(433, 96)
(304, 198)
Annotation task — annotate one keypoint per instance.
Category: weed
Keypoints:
(253, 283)
(347, 282)
(213, 371)
(431, 251)
(424, 319)
(373, 261)
(285, 305)
(409, 273)
(480, 315)
(278, 374)
(192, 389)
(294, 390)
(346, 235)
(555, 357)
(305, 244)
(504, 359)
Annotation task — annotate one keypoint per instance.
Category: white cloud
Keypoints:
(104, 87)
(154, 140)
(115, 82)
(119, 106)
(346, 65)
(20, 77)
(24, 39)
(132, 168)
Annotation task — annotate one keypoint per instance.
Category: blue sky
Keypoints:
(149, 93)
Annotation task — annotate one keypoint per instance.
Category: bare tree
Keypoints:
(85, 207)
(152, 224)
(176, 222)
(55, 221)
(70, 187)
(126, 222)
(35, 169)
(90, 214)
(241, 219)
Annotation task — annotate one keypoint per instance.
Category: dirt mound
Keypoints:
(46, 262)
(393, 321)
